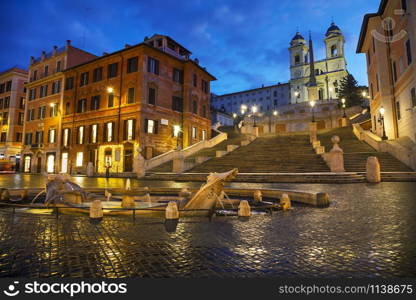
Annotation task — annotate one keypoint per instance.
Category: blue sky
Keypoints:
(242, 42)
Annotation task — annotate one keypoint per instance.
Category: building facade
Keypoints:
(150, 97)
(328, 71)
(12, 103)
(265, 98)
(41, 139)
(388, 38)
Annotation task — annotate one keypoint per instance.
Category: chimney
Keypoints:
(196, 61)
(55, 48)
(43, 56)
(146, 38)
(32, 60)
(105, 53)
(68, 43)
(127, 46)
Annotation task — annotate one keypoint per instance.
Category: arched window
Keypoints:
(297, 59)
(194, 107)
(334, 50)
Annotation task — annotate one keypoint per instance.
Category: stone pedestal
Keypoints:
(336, 156)
(313, 128)
(285, 202)
(178, 162)
(96, 210)
(171, 211)
(316, 143)
(255, 131)
(139, 166)
(257, 196)
(373, 170)
(322, 200)
(90, 169)
(320, 150)
(244, 209)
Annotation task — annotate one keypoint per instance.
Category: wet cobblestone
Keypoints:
(368, 231)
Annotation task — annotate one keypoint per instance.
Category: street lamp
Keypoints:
(234, 115)
(254, 110)
(343, 107)
(243, 109)
(364, 94)
(296, 96)
(382, 111)
(312, 103)
(110, 90)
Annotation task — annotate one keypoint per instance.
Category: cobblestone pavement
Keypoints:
(368, 231)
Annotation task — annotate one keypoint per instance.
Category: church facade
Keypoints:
(328, 71)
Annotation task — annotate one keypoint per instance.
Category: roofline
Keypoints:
(135, 46)
(17, 69)
(265, 87)
(364, 26)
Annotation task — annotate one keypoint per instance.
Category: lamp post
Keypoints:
(296, 96)
(382, 111)
(312, 103)
(254, 110)
(343, 107)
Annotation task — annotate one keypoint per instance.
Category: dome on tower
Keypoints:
(333, 30)
(297, 39)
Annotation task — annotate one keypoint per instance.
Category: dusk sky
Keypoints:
(242, 42)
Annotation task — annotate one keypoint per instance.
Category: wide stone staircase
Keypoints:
(234, 138)
(356, 153)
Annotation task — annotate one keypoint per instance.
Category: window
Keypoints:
(368, 57)
(177, 75)
(404, 5)
(177, 104)
(204, 86)
(52, 136)
(80, 158)
(204, 134)
(69, 83)
(97, 74)
(152, 96)
(413, 96)
(5, 118)
(394, 71)
(409, 52)
(20, 118)
(81, 134)
(64, 162)
(112, 70)
(129, 129)
(371, 90)
(153, 65)
(108, 132)
(82, 106)
(35, 75)
(58, 66)
(66, 135)
(130, 96)
(28, 138)
(93, 133)
(334, 50)
(50, 163)
(3, 137)
(204, 111)
(39, 137)
(56, 87)
(67, 108)
(22, 103)
(7, 102)
(151, 126)
(53, 110)
(194, 132)
(43, 91)
(110, 100)
(95, 102)
(195, 79)
(42, 112)
(83, 79)
(399, 116)
(194, 107)
(374, 45)
(18, 137)
(8, 86)
(27, 163)
(31, 114)
(46, 71)
(297, 59)
(132, 64)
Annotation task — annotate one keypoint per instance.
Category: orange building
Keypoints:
(12, 103)
(150, 96)
(41, 139)
(388, 38)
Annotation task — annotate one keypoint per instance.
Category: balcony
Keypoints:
(36, 146)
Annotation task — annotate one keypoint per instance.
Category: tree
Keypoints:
(350, 90)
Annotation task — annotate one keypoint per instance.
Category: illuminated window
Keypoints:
(52, 136)
(66, 137)
(94, 130)
(27, 164)
(64, 163)
(50, 164)
(130, 134)
(81, 131)
(79, 160)
(194, 132)
(204, 135)
(150, 126)
(109, 132)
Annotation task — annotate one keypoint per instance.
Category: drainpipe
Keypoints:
(119, 101)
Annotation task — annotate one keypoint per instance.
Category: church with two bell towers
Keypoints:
(328, 72)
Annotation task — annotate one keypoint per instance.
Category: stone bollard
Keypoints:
(128, 185)
(127, 201)
(322, 200)
(172, 211)
(90, 169)
(373, 170)
(257, 196)
(336, 156)
(313, 131)
(178, 162)
(96, 211)
(285, 202)
(244, 209)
